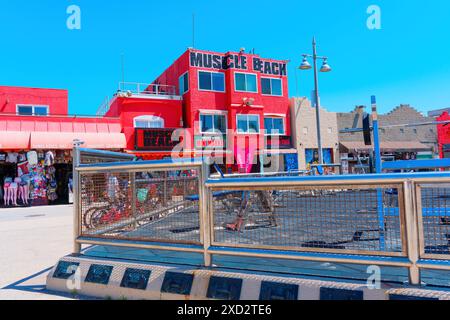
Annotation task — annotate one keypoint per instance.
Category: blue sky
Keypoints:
(407, 61)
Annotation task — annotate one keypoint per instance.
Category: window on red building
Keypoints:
(245, 82)
(148, 122)
(184, 83)
(211, 81)
(30, 110)
(247, 123)
(213, 123)
(274, 125)
(271, 86)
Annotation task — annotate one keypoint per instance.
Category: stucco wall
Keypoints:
(403, 114)
(304, 129)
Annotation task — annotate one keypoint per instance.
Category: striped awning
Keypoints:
(64, 140)
(14, 140)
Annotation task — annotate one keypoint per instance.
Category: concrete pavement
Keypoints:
(31, 242)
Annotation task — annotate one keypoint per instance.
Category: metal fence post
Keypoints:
(205, 214)
(76, 196)
(166, 177)
(412, 232)
(132, 179)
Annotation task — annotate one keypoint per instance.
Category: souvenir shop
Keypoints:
(36, 177)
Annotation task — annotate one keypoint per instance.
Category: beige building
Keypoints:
(304, 132)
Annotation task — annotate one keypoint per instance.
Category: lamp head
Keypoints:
(305, 64)
(325, 66)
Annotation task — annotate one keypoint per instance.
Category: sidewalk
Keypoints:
(31, 241)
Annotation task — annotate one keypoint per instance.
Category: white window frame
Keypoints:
(186, 73)
(148, 118)
(246, 115)
(33, 106)
(212, 90)
(253, 74)
(271, 116)
(212, 113)
(271, 94)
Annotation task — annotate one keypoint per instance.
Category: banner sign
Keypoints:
(154, 139)
(210, 142)
(237, 61)
(284, 142)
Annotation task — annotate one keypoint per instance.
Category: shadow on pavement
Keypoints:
(21, 285)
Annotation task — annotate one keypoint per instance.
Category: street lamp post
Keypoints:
(325, 68)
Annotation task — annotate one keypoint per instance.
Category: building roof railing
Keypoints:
(52, 116)
(140, 90)
(145, 89)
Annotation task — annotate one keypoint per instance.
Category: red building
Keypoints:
(443, 131)
(31, 117)
(230, 105)
(36, 138)
(148, 115)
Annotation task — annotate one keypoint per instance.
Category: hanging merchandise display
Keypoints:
(32, 158)
(22, 157)
(35, 177)
(38, 184)
(49, 159)
(22, 168)
(51, 183)
(12, 157)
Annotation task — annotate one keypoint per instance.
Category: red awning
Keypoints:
(14, 140)
(64, 140)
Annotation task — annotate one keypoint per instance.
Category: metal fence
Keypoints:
(150, 205)
(433, 202)
(400, 220)
(326, 219)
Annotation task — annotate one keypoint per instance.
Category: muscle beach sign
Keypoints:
(237, 61)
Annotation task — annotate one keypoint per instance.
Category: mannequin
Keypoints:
(26, 190)
(13, 187)
(6, 192)
(10, 189)
(23, 190)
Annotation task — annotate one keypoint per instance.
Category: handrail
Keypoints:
(104, 153)
(416, 164)
(138, 165)
(328, 180)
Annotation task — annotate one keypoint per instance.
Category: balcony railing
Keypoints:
(145, 89)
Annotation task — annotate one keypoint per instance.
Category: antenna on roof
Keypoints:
(122, 60)
(193, 30)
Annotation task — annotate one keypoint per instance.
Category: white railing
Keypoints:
(142, 89)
